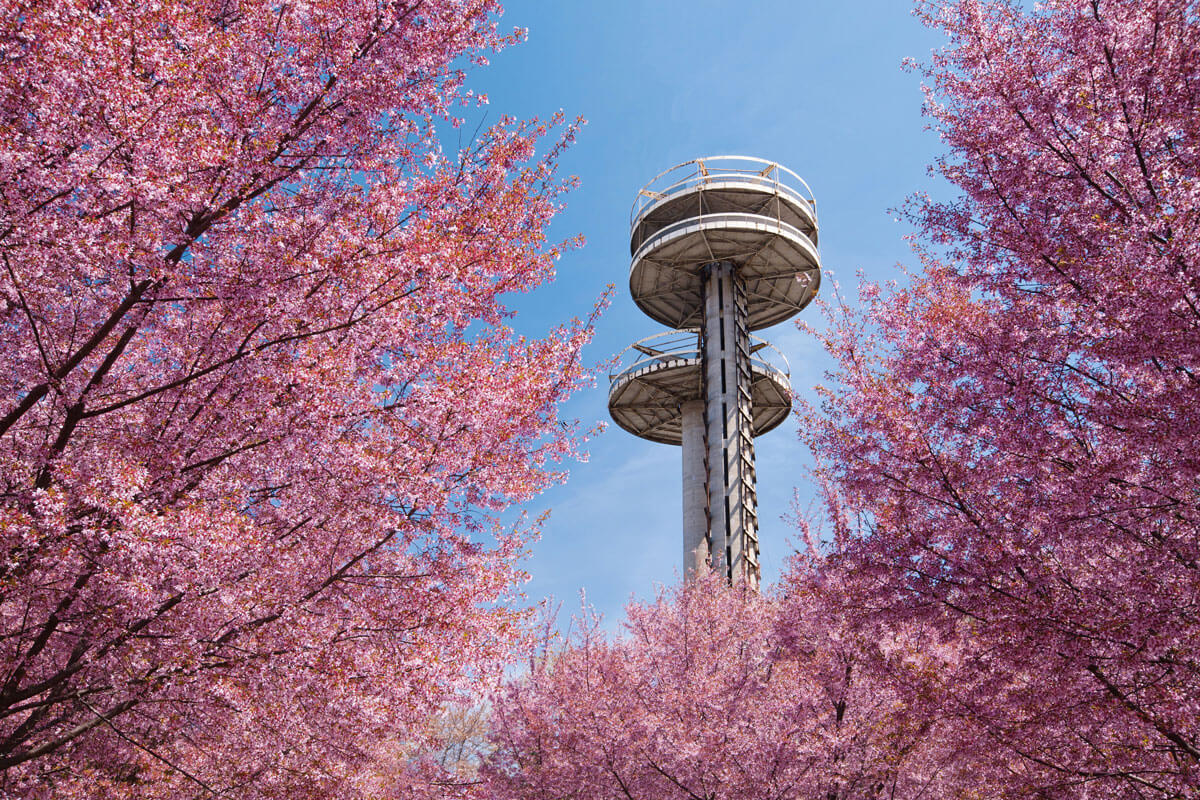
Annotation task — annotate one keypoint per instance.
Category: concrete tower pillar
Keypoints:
(733, 502)
(695, 489)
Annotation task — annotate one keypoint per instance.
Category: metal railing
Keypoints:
(769, 175)
(663, 348)
(736, 220)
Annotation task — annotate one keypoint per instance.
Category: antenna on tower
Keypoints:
(721, 246)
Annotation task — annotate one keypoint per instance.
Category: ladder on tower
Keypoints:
(748, 511)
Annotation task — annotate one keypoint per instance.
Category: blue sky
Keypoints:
(816, 86)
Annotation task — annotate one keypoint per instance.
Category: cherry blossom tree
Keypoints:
(715, 692)
(261, 402)
(1012, 436)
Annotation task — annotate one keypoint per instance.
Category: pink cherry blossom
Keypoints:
(717, 693)
(1014, 432)
(261, 400)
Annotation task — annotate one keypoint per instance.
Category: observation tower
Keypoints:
(721, 246)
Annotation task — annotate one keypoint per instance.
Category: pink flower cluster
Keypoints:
(1016, 430)
(260, 403)
(1009, 603)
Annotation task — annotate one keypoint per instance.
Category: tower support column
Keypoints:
(732, 500)
(695, 490)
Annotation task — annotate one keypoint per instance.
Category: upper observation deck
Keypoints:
(753, 213)
(655, 375)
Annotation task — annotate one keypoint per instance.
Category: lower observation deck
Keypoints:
(659, 373)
